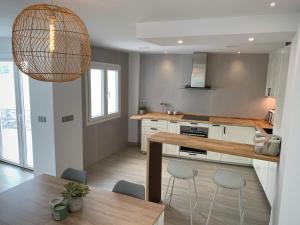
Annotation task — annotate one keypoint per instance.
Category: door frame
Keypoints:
(20, 119)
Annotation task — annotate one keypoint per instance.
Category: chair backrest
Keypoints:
(130, 189)
(75, 175)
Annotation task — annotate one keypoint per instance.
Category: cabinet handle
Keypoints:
(153, 128)
(194, 123)
(154, 120)
(269, 91)
(224, 130)
(173, 122)
(215, 125)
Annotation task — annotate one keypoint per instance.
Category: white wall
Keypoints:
(56, 145)
(68, 136)
(43, 141)
(5, 48)
(286, 208)
(133, 95)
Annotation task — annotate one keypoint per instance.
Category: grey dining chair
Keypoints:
(130, 189)
(78, 176)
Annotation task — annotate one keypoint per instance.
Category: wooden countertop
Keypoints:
(28, 204)
(209, 144)
(257, 123)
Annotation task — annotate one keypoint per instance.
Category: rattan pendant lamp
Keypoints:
(50, 43)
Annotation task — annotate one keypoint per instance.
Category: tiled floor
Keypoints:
(11, 176)
(131, 165)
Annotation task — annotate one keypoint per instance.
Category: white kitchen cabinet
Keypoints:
(238, 134)
(150, 127)
(173, 127)
(267, 175)
(261, 169)
(271, 181)
(215, 132)
(277, 71)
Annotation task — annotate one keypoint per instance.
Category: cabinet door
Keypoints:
(214, 132)
(173, 127)
(238, 134)
(270, 74)
(276, 73)
(271, 182)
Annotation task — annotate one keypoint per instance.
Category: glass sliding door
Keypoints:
(15, 121)
(9, 139)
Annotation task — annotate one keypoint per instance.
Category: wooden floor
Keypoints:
(11, 176)
(131, 165)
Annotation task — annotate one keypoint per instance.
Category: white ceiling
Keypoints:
(112, 23)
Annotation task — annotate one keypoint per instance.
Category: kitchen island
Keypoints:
(154, 157)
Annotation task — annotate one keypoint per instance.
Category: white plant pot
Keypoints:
(75, 204)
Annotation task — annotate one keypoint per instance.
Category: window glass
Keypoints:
(96, 93)
(112, 91)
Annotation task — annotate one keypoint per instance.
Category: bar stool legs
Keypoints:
(190, 199)
(241, 207)
(189, 194)
(172, 190)
(165, 198)
(211, 206)
(229, 180)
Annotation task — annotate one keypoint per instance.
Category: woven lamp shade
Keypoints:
(50, 43)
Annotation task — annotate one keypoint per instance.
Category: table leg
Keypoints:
(154, 165)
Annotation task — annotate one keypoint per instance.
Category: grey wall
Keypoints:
(102, 139)
(238, 79)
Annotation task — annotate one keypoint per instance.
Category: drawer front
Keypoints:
(235, 159)
(214, 156)
(192, 124)
(156, 123)
(192, 155)
(153, 130)
(172, 150)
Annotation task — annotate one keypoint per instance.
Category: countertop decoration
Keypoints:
(50, 43)
(74, 194)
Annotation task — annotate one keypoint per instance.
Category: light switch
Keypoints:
(67, 118)
(42, 119)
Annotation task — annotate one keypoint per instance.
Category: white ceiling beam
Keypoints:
(260, 24)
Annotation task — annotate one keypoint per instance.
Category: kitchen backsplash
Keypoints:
(238, 84)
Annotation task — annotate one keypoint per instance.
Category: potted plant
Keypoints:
(74, 194)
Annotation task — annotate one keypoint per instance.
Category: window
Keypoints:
(103, 92)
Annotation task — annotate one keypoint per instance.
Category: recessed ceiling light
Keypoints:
(272, 4)
(180, 41)
(238, 52)
(251, 39)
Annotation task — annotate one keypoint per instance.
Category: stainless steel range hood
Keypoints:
(198, 71)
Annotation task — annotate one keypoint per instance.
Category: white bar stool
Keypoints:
(230, 180)
(181, 170)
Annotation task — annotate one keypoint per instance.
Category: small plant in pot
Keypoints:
(74, 194)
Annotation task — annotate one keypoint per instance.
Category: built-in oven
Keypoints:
(196, 131)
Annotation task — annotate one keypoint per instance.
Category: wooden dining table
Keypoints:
(28, 204)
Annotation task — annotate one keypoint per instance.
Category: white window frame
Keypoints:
(105, 67)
